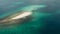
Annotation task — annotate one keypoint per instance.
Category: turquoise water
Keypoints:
(46, 16)
(28, 27)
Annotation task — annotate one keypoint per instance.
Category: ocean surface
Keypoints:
(46, 20)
